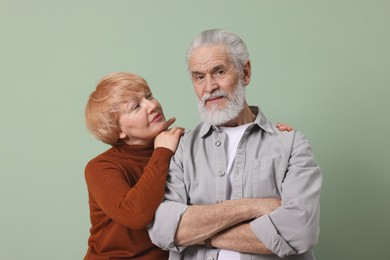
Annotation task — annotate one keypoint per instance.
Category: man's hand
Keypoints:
(239, 238)
(264, 206)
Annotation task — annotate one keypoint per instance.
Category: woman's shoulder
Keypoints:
(107, 157)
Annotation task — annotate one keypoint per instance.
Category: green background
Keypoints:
(321, 66)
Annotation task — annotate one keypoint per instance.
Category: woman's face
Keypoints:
(141, 120)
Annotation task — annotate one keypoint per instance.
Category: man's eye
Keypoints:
(199, 77)
(219, 72)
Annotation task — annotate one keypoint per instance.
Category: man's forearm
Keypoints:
(239, 238)
(200, 222)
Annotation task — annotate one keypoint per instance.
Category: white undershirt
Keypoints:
(233, 137)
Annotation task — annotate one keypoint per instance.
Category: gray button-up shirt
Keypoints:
(268, 163)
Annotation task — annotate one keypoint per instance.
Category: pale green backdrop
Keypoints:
(322, 66)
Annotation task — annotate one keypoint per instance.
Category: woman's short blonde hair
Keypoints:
(103, 107)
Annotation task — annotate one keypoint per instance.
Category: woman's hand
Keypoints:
(284, 127)
(170, 137)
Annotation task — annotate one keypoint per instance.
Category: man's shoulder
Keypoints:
(198, 130)
(290, 140)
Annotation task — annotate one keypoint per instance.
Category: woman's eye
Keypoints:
(149, 96)
(136, 106)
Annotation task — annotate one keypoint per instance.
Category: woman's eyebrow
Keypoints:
(130, 101)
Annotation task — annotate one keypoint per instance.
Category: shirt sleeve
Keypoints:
(163, 229)
(293, 228)
(130, 205)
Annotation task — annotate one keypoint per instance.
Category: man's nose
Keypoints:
(211, 84)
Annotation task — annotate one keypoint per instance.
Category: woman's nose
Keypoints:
(150, 105)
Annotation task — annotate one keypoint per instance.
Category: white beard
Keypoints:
(216, 116)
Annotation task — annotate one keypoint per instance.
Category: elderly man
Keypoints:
(237, 187)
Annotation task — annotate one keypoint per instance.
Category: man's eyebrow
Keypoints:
(218, 67)
(196, 73)
(214, 69)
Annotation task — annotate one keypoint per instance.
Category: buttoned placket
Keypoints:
(220, 174)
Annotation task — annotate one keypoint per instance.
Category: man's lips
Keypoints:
(213, 99)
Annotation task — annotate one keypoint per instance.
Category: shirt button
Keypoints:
(218, 143)
(221, 173)
(237, 173)
(210, 258)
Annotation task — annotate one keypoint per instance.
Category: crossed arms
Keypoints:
(225, 224)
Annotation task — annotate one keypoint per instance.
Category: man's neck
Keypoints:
(246, 116)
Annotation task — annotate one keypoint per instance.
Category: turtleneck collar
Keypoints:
(146, 150)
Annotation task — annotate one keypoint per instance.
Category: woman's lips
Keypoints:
(157, 118)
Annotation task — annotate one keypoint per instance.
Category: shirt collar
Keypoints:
(261, 121)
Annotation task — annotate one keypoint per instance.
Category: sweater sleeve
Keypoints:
(131, 206)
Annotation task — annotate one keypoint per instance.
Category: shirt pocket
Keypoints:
(264, 172)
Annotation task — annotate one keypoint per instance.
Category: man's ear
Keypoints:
(247, 73)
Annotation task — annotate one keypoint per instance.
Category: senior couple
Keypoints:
(235, 187)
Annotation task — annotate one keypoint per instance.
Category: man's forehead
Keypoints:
(209, 58)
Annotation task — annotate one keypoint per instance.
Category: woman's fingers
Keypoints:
(170, 122)
(284, 127)
(176, 129)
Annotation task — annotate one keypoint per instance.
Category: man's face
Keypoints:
(211, 70)
(217, 83)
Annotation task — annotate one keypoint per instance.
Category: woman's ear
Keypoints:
(122, 135)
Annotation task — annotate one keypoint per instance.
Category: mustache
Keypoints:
(215, 94)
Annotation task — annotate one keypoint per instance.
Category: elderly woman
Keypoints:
(126, 182)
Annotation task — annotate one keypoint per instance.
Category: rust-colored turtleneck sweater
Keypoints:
(125, 185)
